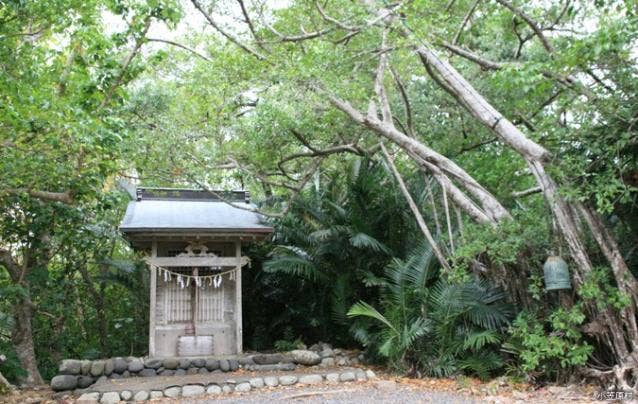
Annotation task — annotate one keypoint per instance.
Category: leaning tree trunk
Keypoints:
(621, 329)
(22, 338)
(440, 166)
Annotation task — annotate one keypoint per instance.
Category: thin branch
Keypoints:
(139, 40)
(415, 210)
(406, 103)
(247, 19)
(332, 20)
(297, 38)
(467, 18)
(379, 88)
(532, 24)
(448, 220)
(484, 63)
(226, 34)
(179, 45)
(530, 191)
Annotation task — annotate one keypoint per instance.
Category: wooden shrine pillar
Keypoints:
(153, 303)
(238, 308)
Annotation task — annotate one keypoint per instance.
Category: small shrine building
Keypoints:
(193, 241)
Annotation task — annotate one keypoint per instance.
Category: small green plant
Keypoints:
(548, 346)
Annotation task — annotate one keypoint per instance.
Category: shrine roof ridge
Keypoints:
(191, 194)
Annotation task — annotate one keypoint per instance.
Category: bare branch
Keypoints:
(247, 19)
(379, 88)
(415, 211)
(297, 38)
(532, 24)
(334, 20)
(467, 18)
(484, 63)
(64, 197)
(139, 40)
(179, 45)
(530, 191)
(225, 33)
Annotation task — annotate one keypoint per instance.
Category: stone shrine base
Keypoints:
(213, 384)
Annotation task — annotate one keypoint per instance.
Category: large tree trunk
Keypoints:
(621, 329)
(22, 338)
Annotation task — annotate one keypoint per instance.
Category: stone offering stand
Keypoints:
(91, 379)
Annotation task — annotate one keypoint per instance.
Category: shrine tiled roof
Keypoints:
(161, 210)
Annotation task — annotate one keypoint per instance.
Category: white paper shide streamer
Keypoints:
(201, 281)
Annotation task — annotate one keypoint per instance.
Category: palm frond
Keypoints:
(365, 310)
(362, 240)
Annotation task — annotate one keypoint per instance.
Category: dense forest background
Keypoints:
(420, 160)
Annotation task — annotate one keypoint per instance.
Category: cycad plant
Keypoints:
(432, 325)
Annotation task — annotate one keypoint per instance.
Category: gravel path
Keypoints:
(381, 391)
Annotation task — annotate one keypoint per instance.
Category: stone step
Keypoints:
(192, 386)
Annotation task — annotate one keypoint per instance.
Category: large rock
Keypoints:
(184, 363)
(148, 373)
(274, 368)
(85, 381)
(172, 392)
(155, 394)
(198, 362)
(212, 364)
(256, 382)
(287, 380)
(332, 377)
(327, 353)
(305, 357)
(171, 363)
(89, 398)
(97, 368)
(327, 362)
(361, 376)
(152, 363)
(86, 367)
(271, 381)
(246, 360)
(228, 388)
(119, 365)
(233, 364)
(141, 395)
(111, 397)
(108, 367)
(213, 389)
(224, 365)
(167, 372)
(64, 382)
(193, 390)
(268, 359)
(126, 395)
(347, 377)
(135, 365)
(243, 387)
(70, 367)
(370, 374)
(310, 379)
(180, 372)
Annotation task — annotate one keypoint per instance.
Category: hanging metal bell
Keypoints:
(556, 273)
